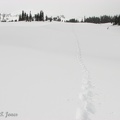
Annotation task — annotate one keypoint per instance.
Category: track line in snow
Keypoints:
(86, 95)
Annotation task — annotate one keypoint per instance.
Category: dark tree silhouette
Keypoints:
(104, 19)
(73, 20)
(30, 17)
(41, 15)
(46, 18)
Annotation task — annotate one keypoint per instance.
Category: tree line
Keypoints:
(115, 20)
(38, 17)
(73, 20)
(29, 17)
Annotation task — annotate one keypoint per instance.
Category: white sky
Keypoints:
(69, 8)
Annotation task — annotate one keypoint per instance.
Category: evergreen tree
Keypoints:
(115, 20)
(46, 18)
(35, 17)
(119, 20)
(20, 17)
(23, 16)
(50, 19)
(30, 17)
(41, 15)
(27, 18)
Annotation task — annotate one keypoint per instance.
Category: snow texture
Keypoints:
(49, 70)
(86, 94)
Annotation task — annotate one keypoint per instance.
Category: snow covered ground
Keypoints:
(41, 75)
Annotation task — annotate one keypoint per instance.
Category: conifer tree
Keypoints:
(22, 15)
(119, 20)
(30, 17)
(41, 15)
(27, 18)
(46, 18)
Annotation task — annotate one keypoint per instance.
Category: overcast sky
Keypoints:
(69, 8)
